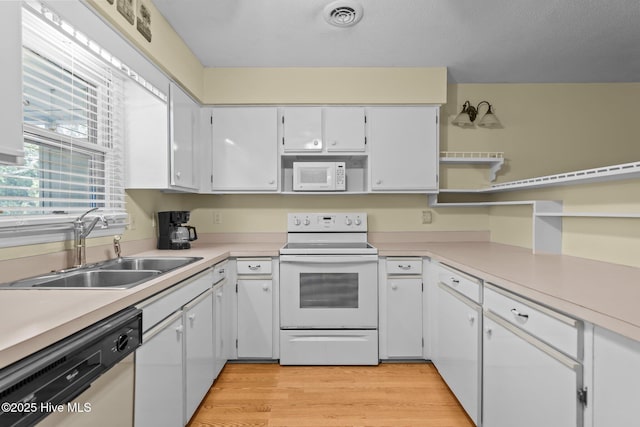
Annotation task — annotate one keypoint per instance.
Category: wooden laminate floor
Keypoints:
(391, 394)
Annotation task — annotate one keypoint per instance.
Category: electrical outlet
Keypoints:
(427, 217)
(217, 217)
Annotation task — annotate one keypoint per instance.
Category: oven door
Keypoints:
(328, 292)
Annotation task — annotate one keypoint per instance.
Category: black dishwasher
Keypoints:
(48, 380)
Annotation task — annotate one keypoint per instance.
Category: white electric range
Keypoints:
(328, 291)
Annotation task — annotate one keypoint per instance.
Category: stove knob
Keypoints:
(296, 221)
(121, 342)
(357, 221)
(348, 221)
(306, 221)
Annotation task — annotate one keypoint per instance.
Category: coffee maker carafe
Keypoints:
(172, 233)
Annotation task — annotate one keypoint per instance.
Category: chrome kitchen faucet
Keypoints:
(80, 233)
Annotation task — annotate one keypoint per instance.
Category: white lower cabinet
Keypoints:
(199, 351)
(457, 351)
(526, 383)
(175, 364)
(158, 386)
(400, 310)
(532, 364)
(255, 318)
(616, 375)
(404, 318)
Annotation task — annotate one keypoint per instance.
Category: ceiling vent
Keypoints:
(343, 13)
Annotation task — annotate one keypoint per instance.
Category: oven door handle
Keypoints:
(328, 259)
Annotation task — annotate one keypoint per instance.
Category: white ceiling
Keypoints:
(488, 41)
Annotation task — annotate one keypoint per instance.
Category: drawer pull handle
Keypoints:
(455, 281)
(518, 314)
(404, 267)
(254, 267)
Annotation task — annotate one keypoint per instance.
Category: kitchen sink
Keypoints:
(162, 264)
(121, 273)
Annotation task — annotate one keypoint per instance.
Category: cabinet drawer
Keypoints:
(556, 329)
(254, 266)
(219, 272)
(463, 283)
(404, 266)
(163, 305)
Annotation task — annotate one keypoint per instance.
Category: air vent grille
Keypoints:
(343, 13)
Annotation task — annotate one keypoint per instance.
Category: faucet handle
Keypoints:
(85, 214)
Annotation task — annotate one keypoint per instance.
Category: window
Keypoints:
(73, 107)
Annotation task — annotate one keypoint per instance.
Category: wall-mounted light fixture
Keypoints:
(469, 113)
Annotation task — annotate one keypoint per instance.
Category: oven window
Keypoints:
(328, 290)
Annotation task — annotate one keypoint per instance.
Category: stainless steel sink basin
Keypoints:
(88, 279)
(162, 264)
(122, 273)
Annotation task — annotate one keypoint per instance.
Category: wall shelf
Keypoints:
(494, 159)
(606, 173)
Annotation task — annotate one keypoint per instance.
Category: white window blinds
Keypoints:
(73, 125)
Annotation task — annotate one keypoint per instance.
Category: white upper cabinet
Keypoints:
(244, 149)
(344, 128)
(323, 129)
(184, 115)
(11, 143)
(146, 138)
(302, 129)
(403, 148)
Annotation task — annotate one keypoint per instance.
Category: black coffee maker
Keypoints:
(172, 233)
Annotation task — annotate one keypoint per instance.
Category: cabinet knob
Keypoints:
(265, 287)
(179, 331)
(334, 143)
(379, 182)
(394, 286)
(178, 175)
(316, 142)
(488, 331)
(273, 181)
(192, 318)
(219, 295)
(472, 318)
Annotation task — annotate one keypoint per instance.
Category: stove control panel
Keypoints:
(327, 222)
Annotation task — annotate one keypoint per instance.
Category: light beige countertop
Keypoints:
(31, 319)
(601, 293)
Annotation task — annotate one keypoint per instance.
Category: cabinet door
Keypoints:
(302, 129)
(525, 382)
(344, 128)
(255, 319)
(615, 379)
(404, 318)
(219, 326)
(184, 116)
(403, 147)
(199, 353)
(11, 150)
(457, 348)
(244, 149)
(159, 398)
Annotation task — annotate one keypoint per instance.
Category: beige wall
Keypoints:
(549, 128)
(325, 85)
(166, 48)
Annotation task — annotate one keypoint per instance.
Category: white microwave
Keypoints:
(319, 176)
